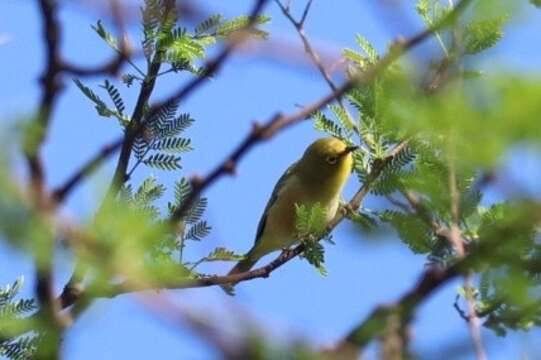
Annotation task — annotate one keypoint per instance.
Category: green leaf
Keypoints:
(372, 54)
(229, 27)
(411, 229)
(208, 24)
(152, 14)
(432, 11)
(115, 96)
(140, 147)
(149, 191)
(342, 116)
(101, 107)
(355, 57)
(22, 348)
(163, 161)
(423, 7)
(196, 211)
(363, 98)
(182, 191)
(105, 35)
(314, 253)
(198, 231)
(310, 220)
(388, 182)
(223, 254)
(366, 222)
(182, 47)
(483, 34)
(175, 126)
(173, 145)
(326, 125)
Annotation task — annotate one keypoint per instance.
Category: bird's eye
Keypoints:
(332, 159)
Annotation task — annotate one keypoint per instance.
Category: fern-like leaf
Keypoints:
(209, 24)
(173, 127)
(198, 231)
(149, 191)
(411, 229)
(367, 47)
(182, 191)
(326, 125)
(105, 35)
(483, 34)
(173, 145)
(196, 211)
(115, 96)
(140, 147)
(229, 27)
(223, 254)
(163, 161)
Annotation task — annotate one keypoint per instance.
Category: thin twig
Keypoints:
(312, 53)
(456, 240)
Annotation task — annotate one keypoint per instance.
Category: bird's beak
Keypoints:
(349, 149)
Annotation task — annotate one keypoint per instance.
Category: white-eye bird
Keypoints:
(318, 177)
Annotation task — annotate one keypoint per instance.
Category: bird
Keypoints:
(317, 177)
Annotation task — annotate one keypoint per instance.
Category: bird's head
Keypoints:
(327, 158)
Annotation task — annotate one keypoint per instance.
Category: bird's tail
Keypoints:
(242, 266)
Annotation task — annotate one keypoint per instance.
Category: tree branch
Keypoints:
(299, 27)
(67, 298)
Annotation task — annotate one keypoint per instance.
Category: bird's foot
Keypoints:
(347, 210)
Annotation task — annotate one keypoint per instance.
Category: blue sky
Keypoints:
(295, 300)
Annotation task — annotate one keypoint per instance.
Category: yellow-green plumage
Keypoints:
(318, 177)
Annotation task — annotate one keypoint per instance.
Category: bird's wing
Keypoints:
(281, 181)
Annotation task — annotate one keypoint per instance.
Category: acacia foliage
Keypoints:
(459, 124)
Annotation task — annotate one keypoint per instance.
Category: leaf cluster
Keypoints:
(466, 121)
(311, 226)
(21, 347)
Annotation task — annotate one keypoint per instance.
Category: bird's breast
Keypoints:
(280, 230)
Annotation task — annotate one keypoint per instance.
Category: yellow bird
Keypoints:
(318, 177)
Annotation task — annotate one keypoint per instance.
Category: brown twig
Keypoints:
(50, 86)
(404, 307)
(312, 53)
(113, 66)
(455, 239)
